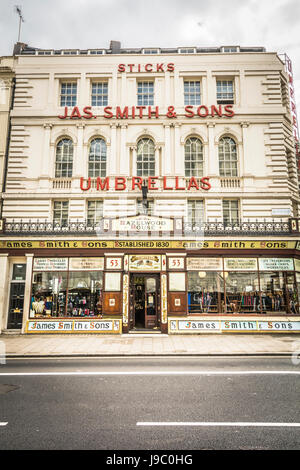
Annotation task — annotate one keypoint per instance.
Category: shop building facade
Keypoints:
(150, 190)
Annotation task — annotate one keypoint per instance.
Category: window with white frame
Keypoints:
(97, 158)
(145, 93)
(187, 50)
(145, 159)
(230, 211)
(140, 208)
(60, 213)
(99, 94)
(192, 94)
(64, 159)
(150, 51)
(225, 92)
(68, 94)
(230, 49)
(193, 157)
(228, 164)
(195, 211)
(94, 212)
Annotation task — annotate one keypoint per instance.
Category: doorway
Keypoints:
(16, 297)
(145, 301)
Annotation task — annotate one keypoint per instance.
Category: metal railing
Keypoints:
(85, 227)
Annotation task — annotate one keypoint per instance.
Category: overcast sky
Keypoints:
(60, 24)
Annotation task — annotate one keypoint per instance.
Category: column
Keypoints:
(112, 161)
(212, 160)
(27, 292)
(244, 150)
(45, 156)
(133, 149)
(167, 169)
(4, 289)
(79, 159)
(124, 154)
(179, 160)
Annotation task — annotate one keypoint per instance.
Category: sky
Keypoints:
(274, 24)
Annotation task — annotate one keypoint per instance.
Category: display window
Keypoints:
(205, 292)
(242, 292)
(49, 291)
(69, 293)
(84, 293)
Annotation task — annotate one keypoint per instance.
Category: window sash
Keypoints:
(195, 211)
(97, 158)
(225, 91)
(99, 94)
(94, 212)
(61, 213)
(145, 93)
(192, 93)
(231, 211)
(68, 94)
(193, 158)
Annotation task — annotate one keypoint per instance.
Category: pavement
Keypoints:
(45, 345)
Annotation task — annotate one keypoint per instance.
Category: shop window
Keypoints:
(205, 292)
(192, 93)
(195, 211)
(193, 157)
(61, 213)
(145, 160)
(84, 293)
(242, 292)
(225, 92)
(49, 293)
(64, 159)
(298, 290)
(94, 212)
(68, 94)
(145, 93)
(100, 94)
(228, 163)
(273, 297)
(230, 211)
(97, 158)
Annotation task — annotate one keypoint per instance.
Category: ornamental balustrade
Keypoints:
(188, 229)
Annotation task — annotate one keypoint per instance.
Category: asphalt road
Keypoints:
(150, 403)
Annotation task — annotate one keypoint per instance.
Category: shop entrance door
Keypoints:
(16, 302)
(144, 301)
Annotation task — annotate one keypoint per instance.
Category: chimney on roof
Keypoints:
(115, 47)
(19, 47)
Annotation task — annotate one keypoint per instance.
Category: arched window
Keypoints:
(64, 159)
(228, 164)
(193, 157)
(97, 158)
(145, 160)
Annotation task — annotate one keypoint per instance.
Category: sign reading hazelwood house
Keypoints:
(142, 223)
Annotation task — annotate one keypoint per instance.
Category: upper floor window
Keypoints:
(61, 213)
(193, 157)
(68, 94)
(195, 211)
(192, 93)
(150, 51)
(145, 93)
(94, 212)
(228, 164)
(97, 158)
(187, 50)
(230, 49)
(225, 92)
(99, 94)
(145, 160)
(231, 211)
(64, 159)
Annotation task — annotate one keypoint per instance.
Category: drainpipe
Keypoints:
(7, 145)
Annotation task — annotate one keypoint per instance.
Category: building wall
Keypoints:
(261, 127)
(6, 84)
